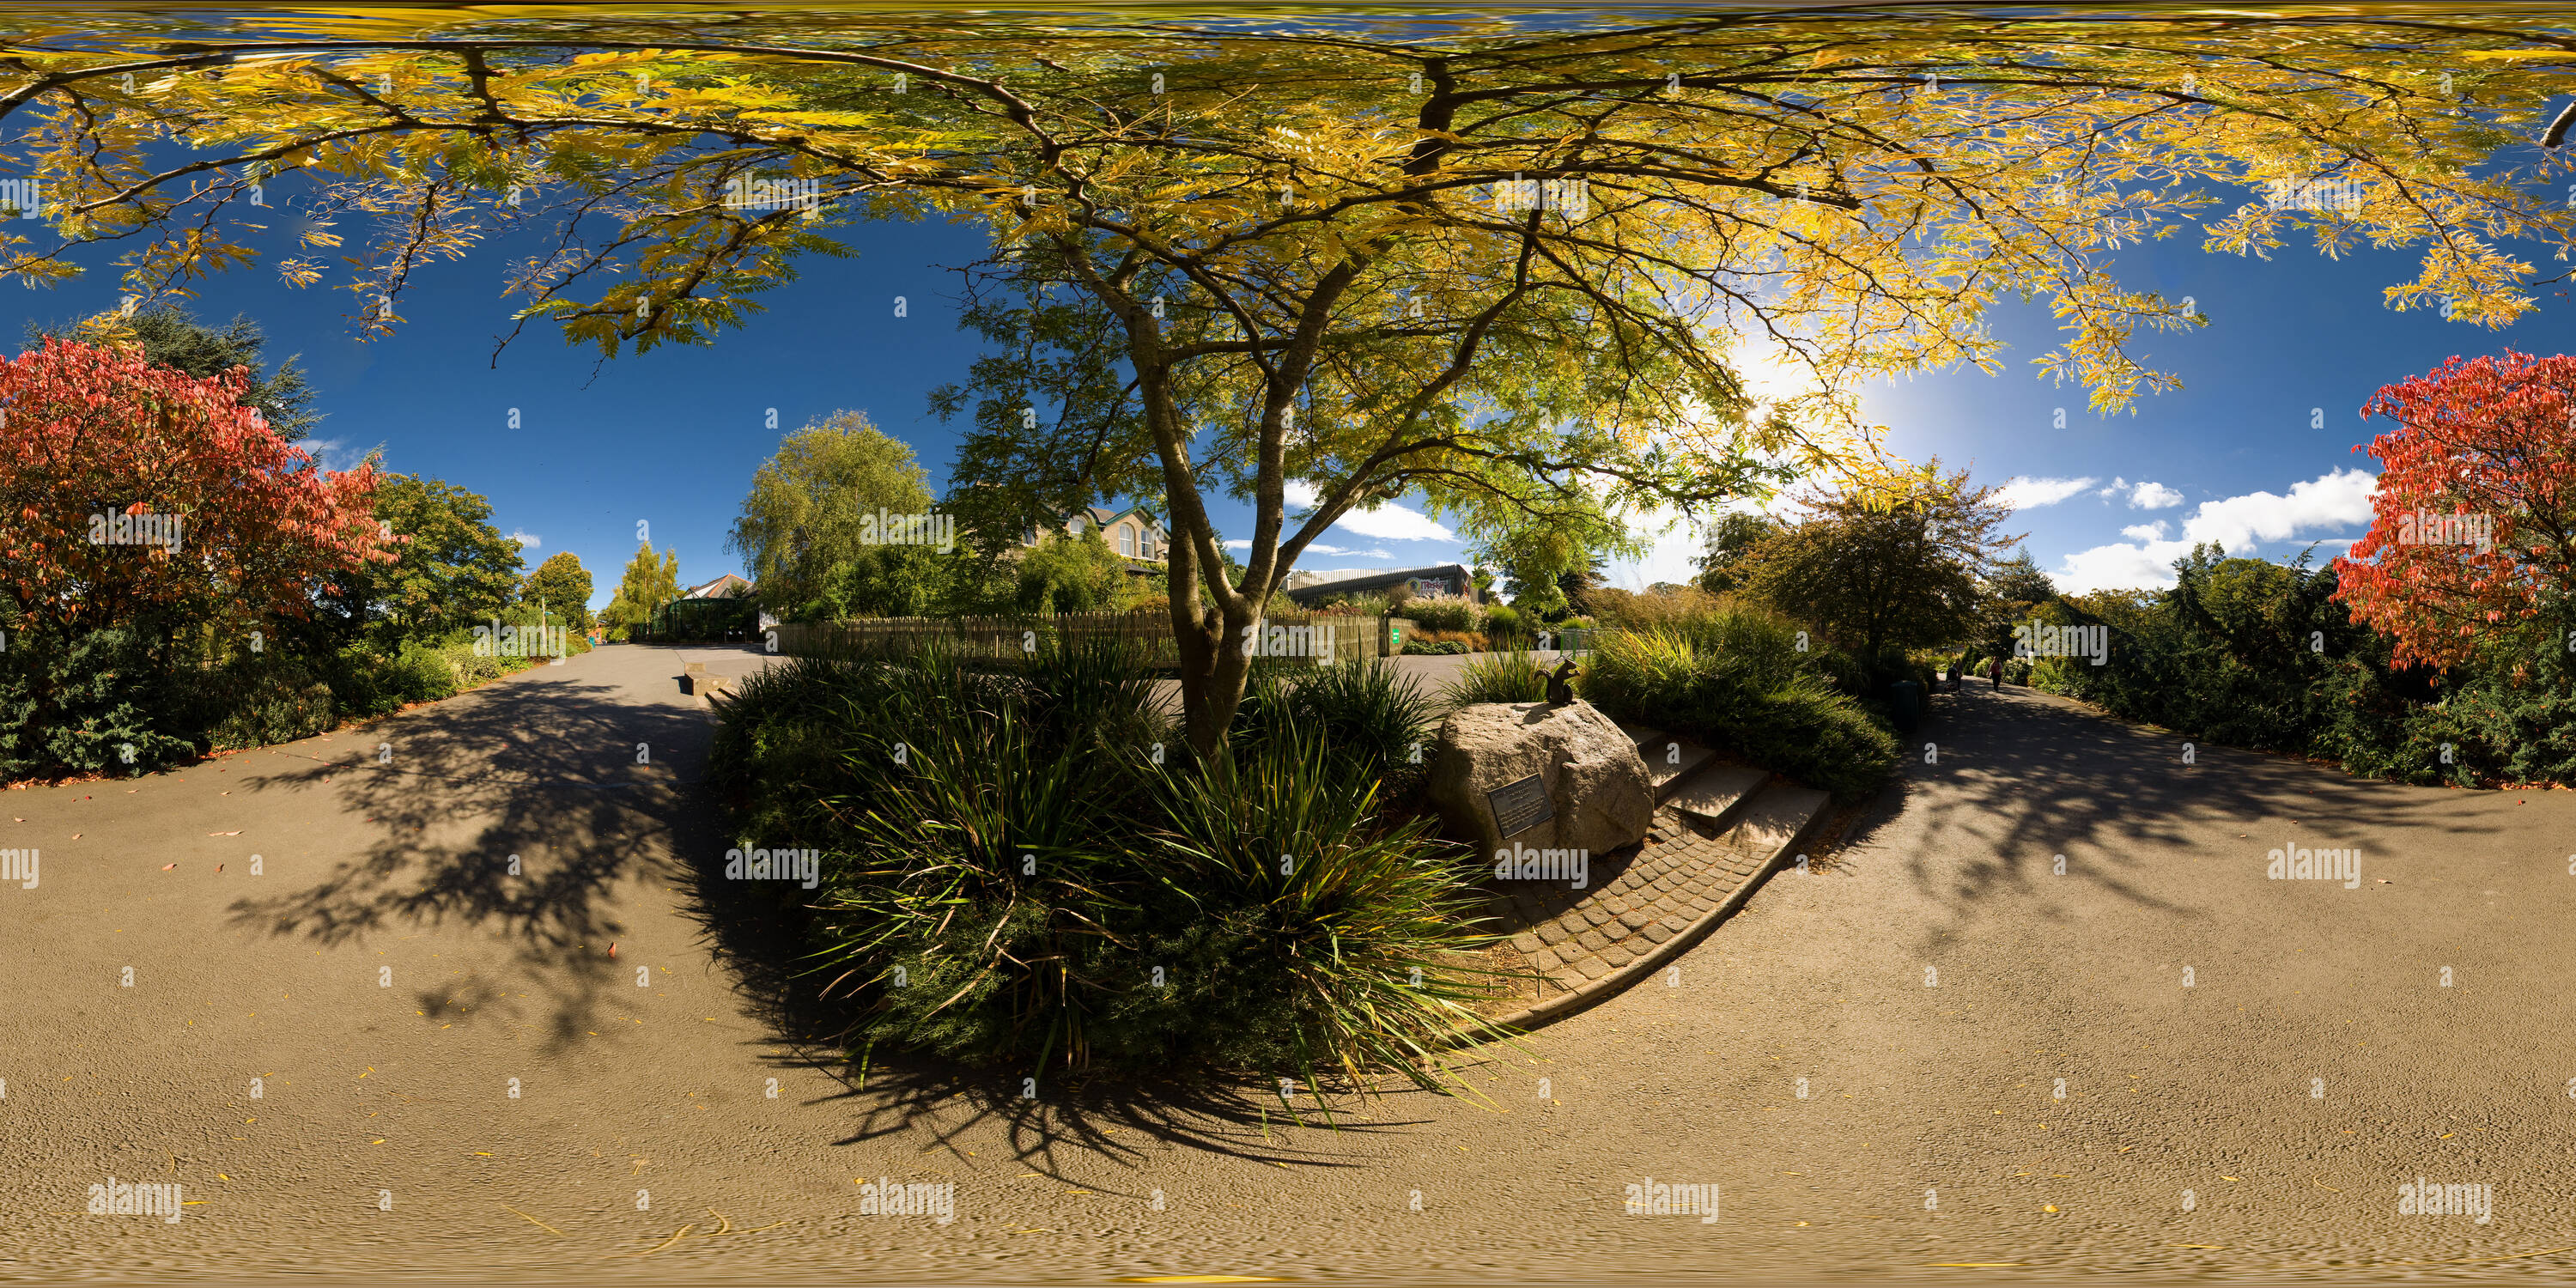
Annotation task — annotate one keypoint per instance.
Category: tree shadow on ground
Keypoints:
(542, 769)
(2023, 777)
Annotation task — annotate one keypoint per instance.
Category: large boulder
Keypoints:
(1596, 788)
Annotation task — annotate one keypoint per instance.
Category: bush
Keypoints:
(1026, 866)
(1445, 613)
(1498, 677)
(1367, 712)
(1502, 621)
(1417, 646)
(1734, 679)
(97, 703)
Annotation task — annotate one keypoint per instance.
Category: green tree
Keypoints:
(172, 337)
(901, 581)
(451, 567)
(647, 583)
(1896, 564)
(811, 518)
(562, 586)
(1069, 574)
(1731, 539)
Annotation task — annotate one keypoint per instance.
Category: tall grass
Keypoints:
(1733, 676)
(1498, 677)
(1370, 714)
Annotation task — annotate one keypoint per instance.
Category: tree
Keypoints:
(813, 513)
(1072, 574)
(134, 495)
(1498, 265)
(646, 585)
(450, 568)
(560, 585)
(1730, 539)
(1895, 564)
(172, 337)
(2020, 580)
(2473, 530)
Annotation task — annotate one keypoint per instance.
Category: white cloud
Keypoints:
(1239, 544)
(2329, 501)
(2021, 493)
(2339, 499)
(2113, 490)
(2153, 496)
(1320, 548)
(525, 540)
(2145, 531)
(1388, 522)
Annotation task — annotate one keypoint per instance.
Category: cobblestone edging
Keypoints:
(1656, 901)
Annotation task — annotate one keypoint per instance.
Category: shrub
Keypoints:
(1025, 867)
(1498, 677)
(1751, 696)
(1418, 646)
(1502, 621)
(99, 702)
(1445, 613)
(1366, 711)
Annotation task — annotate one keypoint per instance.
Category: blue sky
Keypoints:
(671, 438)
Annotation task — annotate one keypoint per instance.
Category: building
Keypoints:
(1444, 579)
(1132, 532)
(727, 586)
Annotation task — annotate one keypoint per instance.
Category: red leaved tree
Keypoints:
(131, 493)
(2475, 524)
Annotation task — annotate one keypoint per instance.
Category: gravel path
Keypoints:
(384, 1137)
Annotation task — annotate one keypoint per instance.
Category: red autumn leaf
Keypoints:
(2476, 510)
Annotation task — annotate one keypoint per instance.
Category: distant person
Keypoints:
(1995, 669)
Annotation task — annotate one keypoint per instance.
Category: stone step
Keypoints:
(1716, 794)
(1662, 771)
(1778, 819)
(1641, 734)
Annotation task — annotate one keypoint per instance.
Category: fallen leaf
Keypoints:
(167, 866)
(235, 832)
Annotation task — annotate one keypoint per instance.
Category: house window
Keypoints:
(1126, 540)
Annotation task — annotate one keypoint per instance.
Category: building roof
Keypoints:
(1368, 581)
(718, 589)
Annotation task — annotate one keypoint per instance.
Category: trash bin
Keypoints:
(1906, 696)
